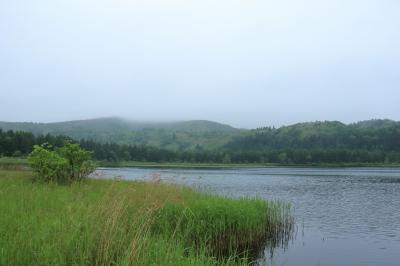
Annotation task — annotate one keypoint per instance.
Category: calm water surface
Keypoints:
(345, 216)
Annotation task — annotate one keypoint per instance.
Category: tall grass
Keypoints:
(100, 222)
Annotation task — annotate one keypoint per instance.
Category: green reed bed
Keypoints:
(109, 222)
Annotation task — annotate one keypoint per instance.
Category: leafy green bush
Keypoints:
(67, 164)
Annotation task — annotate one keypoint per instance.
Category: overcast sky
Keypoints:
(248, 63)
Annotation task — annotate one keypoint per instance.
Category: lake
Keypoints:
(344, 216)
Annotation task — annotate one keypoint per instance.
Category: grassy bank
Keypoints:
(12, 163)
(111, 222)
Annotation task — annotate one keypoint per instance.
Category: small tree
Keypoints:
(65, 165)
(48, 165)
(78, 159)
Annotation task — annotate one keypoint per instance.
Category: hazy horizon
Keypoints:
(175, 121)
(243, 63)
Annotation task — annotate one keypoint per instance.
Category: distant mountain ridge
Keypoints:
(109, 123)
(376, 134)
(179, 135)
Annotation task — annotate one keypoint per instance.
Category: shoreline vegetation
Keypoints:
(115, 222)
(12, 163)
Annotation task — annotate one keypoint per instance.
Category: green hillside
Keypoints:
(383, 135)
(181, 135)
(371, 142)
(199, 135)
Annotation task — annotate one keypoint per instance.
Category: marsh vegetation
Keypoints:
(114, 222)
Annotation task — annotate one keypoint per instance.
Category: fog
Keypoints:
(247, 63)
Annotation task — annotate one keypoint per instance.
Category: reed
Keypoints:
(113, 222)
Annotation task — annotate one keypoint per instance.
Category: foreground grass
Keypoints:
(111, 222)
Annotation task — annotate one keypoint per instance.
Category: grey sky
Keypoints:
(247, 63)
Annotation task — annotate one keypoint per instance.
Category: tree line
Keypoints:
(372, 135)
(19, 144)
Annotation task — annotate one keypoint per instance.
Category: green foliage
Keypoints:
(108, 222)
(67, 164)
(79, 163)
(19, 143)
(48, 165)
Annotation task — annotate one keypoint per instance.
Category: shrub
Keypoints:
(67, 164)
(79, 163)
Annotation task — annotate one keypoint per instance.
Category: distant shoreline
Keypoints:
(134, 164)
(22, 163)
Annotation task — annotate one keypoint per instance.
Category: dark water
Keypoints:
(345, 216)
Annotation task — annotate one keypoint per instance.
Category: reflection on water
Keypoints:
(279, 238)
(344, 216)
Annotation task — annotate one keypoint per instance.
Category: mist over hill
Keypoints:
(115, 139)
(377, 135)
(178, 135)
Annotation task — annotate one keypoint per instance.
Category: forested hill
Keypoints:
(371, 135)
(181, 135)
(375, 141)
